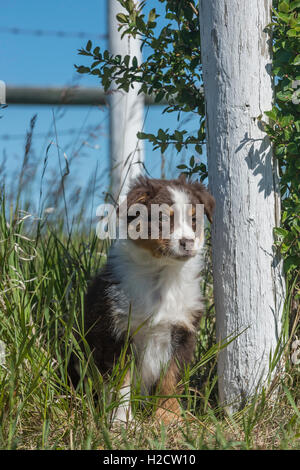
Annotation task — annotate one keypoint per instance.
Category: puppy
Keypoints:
(149, 291)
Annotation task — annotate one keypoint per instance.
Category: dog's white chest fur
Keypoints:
(162, 296)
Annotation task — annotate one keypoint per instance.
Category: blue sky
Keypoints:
(49, 60)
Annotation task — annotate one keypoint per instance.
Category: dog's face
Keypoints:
(166, 217)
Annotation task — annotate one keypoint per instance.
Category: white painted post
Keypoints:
(248, 279)
(126, 113)
(2, 92)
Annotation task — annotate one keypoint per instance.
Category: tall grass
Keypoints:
(45, 265)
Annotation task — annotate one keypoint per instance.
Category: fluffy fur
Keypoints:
(156, 282)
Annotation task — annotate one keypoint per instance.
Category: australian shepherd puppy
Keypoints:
(149, 290)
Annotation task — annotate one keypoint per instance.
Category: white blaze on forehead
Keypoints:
(179, 197)
(182, 203)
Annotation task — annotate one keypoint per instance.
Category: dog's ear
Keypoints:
(182, 178)
(141, 192)
(206, 199)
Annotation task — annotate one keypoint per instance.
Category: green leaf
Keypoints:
(198, 149)
(295, 4)
(292, 148)
(284, 17)
(293, 32)
(164, 147)
(297, 164)
(280, 150)
(122, 18)
(284, 96)
(96, 51)
(160, 95)
(178, 135)
(296, 61)
(280, 231)
(286, 120)
(88, 46)
(272, 114)
(152, 15)
(181, 167)
(143, 135)
(162, 135)
(126, 60)
(82, 69)
(134, 62)
(178, 146)
(284, 6)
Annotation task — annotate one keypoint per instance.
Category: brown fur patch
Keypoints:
(183, 344)
(158, 247)
(168, 408)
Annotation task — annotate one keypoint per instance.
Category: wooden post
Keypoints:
(248, 279)
(126, 113)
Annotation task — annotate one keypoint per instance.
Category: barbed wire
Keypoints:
(60, 34)
(66, 132)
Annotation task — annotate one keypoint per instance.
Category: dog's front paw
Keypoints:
(169, 412)
(121, 416)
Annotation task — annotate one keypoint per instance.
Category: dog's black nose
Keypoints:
(187, 243)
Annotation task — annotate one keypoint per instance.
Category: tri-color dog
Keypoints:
(151, 286)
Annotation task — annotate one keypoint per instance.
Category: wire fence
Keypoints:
(60, 34)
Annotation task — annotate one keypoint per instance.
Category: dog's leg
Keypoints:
(122, 413)
(169, 408)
